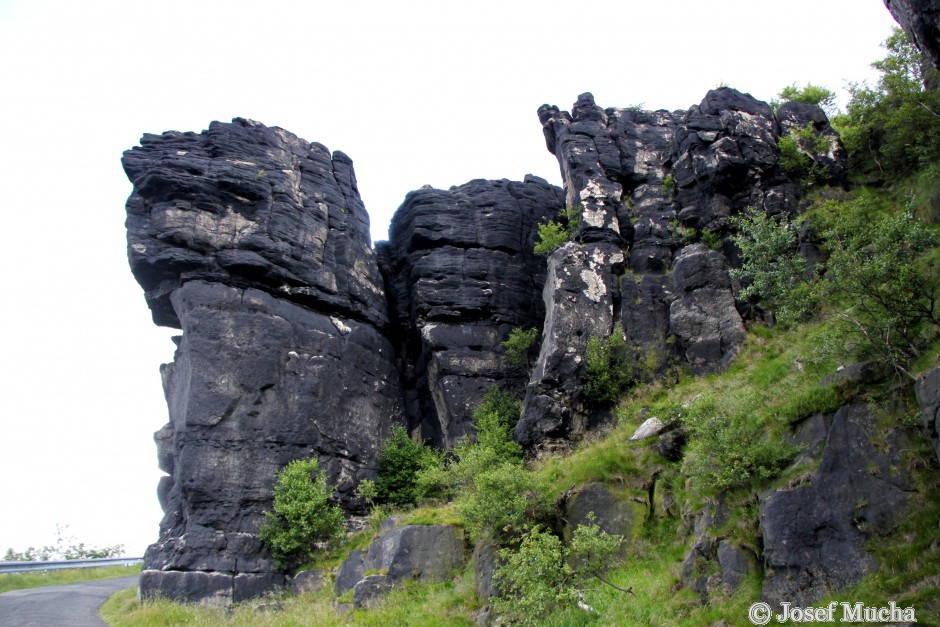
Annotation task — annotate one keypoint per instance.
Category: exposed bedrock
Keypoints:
(255, 244)
(920, 19)
(815, 534)
(661, 187)
(250, 206)
(461, 275)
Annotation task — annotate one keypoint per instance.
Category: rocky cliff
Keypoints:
(299, 339)
(255, 244)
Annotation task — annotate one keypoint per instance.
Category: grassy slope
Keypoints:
(773, 384)
(21, 581)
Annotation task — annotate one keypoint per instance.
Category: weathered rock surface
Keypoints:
(656, 185)
(250, 206)
(423, 552)
(927, 389)
(256, 382)
(613, 512)
(814, 535)
(920, 19)
(579, 303)
(255, 243)
(461, 275)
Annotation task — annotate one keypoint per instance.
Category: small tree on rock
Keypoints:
(303, 515)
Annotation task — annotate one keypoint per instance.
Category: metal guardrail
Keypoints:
(22, 567)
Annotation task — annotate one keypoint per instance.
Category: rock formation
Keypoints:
(655, 191)
(920, 19)
(461, 275)
(256, 245)
(298, 339)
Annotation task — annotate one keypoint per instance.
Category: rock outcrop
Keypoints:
(655, 191)
(298, 339)
(399, 554)
(920, 19)
(462, 274)
(814, 534)
(255, 244)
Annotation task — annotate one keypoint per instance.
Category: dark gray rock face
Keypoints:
(704, 317)
(814, 535)
(920, 19)
(927, 389)
(613, 513)
(485, 561)
(654, 185)
(250, 206)
(461, 275)
(579, 292)
(256, 382)
(255, 243)
(423, 552)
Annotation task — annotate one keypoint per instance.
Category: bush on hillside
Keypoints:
(302, 516)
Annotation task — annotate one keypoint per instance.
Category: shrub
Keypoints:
(303, 515)
(399, 462)
(892, 127)
(771, 267)
(544, 575)
(501, 498)
(607, 368)
(517, 345)
(493, 421)
(799, 151)
(883, 284)
(553, 234)
(810, 94)
(730, 450)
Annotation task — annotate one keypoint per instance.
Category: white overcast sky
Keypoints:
(415, 92)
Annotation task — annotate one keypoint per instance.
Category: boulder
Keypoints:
(613, 512)
(485, 562)
(736, 563)
(814, 535)
(307, 581)
(369, 588)
(421, 552)
(650, 428)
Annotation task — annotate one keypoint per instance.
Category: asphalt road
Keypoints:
(72, 605)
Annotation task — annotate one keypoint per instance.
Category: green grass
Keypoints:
(21, 581)
(446, 603)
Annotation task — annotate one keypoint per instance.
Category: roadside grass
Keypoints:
(447, 603)
(37, 579)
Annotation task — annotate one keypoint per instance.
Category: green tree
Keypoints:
(302, 516)
(553, 234)
(893, 127)
(607, 368)
(65, 548)
(517, 345)
(809, 94)
(399, 462)
(543, 575)
(882, 282)
(772, 269)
